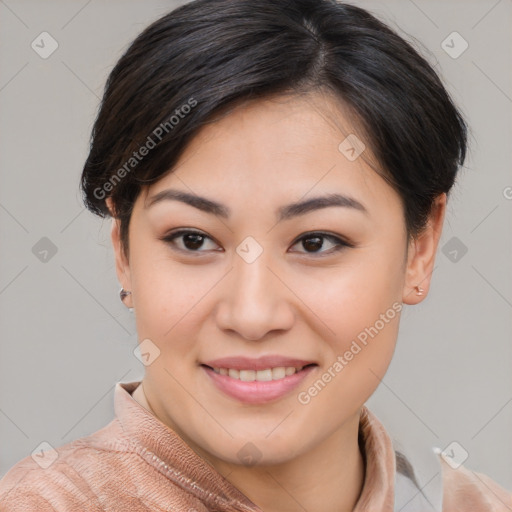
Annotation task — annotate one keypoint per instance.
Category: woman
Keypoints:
(277, 174)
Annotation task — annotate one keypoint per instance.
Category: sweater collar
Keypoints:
(163, 448)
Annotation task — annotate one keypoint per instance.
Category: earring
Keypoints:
(123, 294)
(420, 290)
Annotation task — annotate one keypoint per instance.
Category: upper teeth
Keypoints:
(262, 375)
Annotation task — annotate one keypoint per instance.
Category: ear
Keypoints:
(121, 261)
(422, 252)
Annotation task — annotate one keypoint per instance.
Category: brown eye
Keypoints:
(191, 241)
(314, 242)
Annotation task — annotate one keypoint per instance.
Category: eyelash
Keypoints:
(341, 244)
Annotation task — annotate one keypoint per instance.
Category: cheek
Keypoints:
(356, 357)
(353, 295)
(359, 307)
(169, 300)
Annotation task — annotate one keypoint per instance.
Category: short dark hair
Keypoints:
(209, 55)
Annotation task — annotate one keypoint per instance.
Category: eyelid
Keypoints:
(324, 234)
(341, 243)
(172, 235)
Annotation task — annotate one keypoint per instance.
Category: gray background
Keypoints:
(66, 339)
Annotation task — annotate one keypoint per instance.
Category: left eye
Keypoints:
(192, 241)
(314, 241)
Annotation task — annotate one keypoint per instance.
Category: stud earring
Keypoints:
(419, 290)
(123, 294)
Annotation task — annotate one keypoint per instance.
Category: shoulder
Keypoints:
(453, 488)
(28, 486)
(64, 478)
(468, 491)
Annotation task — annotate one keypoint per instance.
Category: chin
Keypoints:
(256, 451)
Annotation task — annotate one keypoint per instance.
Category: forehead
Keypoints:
(269, 150)
(278, 129)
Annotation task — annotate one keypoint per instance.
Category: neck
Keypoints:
(328, 478)
(140, 397)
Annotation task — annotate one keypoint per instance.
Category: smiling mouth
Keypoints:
(265, 375)
(258, 386)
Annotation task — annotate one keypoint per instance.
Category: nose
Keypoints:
(256, 300)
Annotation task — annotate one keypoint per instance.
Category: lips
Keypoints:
(257, 381)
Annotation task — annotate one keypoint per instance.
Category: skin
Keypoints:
(294, 299)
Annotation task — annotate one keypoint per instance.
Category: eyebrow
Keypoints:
(284, 213)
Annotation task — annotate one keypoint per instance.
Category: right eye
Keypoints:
(190, 241)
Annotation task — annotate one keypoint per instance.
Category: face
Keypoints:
(267, 284)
